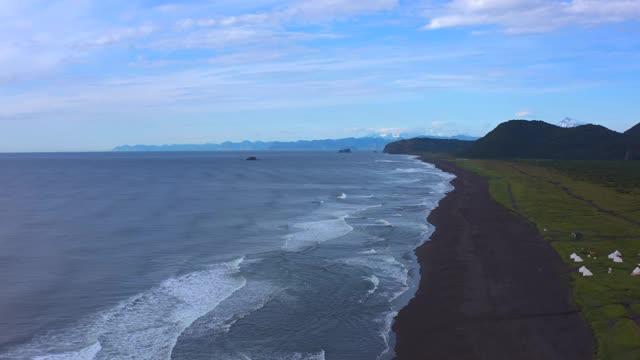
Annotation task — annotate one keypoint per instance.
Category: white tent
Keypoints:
(577, 259)
(585, 272)
(617, 259)
(636, 272)
(614, 254)
(573, 256)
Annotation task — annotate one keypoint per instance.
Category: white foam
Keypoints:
(87, 353)
(299, 356)
(251, 298)
(371, 207)
(316, 232)
(440, 188)
(369, 252)
(409, 170)
(416, 160)
(386, 267)
(390, 161)
(381, 239)
(385, 333)
(373, 280)
(146, 326)
(363, 196)
(342, 196)
(320, 355)
(402, 181)
(379, 223)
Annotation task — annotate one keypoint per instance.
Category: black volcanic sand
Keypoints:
(490, 287)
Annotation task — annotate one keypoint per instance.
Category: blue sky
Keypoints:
(89, 75)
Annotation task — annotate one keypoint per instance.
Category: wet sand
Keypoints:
(490, 287)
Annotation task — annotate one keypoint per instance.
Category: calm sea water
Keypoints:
(207, 256)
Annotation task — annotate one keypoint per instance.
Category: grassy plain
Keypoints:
(600, 200)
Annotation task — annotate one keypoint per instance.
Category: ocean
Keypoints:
(207, 256)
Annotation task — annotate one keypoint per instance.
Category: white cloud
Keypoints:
(523, 16)
(438, 81)
(119, 35)
(300, 11)
(167, 8)
(240, 20)
(523, 114)
(272, 24)
(390, 132)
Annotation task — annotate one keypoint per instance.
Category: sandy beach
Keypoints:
(490, 288)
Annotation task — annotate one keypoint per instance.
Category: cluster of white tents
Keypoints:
(615, 256)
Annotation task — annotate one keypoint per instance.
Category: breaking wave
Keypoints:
(316, 232)
(146, 326)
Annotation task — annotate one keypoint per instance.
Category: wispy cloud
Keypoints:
(523, 114)
(117, 36)
(254, 81)
(38, 36)
(525, 16)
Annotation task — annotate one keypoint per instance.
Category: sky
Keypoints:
(85, 75)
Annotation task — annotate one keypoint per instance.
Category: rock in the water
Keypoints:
(344, 151)
(252, 158)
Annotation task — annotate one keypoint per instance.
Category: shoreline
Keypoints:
(490, 287)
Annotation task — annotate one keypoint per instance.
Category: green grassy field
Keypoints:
(601, 200)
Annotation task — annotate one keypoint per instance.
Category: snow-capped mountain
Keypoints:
(570, 123)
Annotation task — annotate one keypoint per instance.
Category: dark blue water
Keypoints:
(207, 256)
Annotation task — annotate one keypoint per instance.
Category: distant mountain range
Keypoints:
(521, 139)
(371, 143)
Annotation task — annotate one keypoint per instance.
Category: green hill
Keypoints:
(634, 131)
(539, 140)
(427, 145)
(521, 139)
